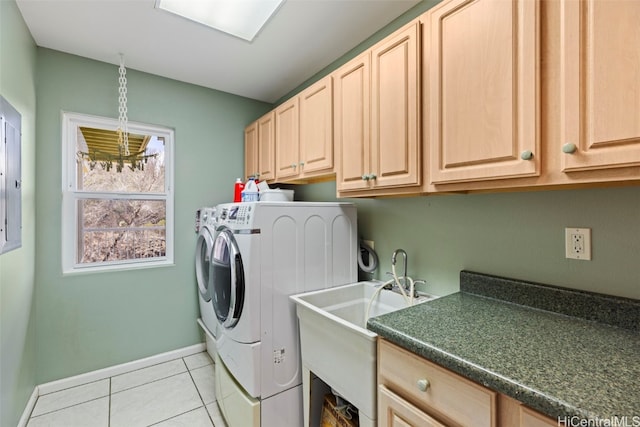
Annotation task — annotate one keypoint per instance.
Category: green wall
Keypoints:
(518, 235)
(17, 278)
(91, 321)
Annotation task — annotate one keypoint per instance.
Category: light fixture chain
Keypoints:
(123, 121)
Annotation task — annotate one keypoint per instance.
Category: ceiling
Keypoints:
(303, 37)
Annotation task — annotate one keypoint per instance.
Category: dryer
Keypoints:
(263, 252)
(205, 226)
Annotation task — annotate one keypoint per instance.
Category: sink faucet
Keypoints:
(394, 259)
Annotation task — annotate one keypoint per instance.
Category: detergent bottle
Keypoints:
(250, 192)
(237, 191)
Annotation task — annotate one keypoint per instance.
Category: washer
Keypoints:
(205, 226)
(263, 252)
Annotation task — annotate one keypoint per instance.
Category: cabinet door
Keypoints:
(600, 84)
(266, 146)
(397, 412)
(530, 418)
(316, 127)
(351, 103)
(444, 394)
(484, 94)
(395, 111)
(251, 150)
(287, 139)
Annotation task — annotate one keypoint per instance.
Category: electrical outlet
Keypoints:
(578, 243)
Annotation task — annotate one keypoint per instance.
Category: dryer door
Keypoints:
(204, 247)
(227, 276)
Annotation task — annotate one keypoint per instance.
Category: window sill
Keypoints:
(116, 267)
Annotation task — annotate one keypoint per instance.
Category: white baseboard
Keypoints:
(24, 419)
(111, 371)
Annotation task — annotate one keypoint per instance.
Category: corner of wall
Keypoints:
(17, 277)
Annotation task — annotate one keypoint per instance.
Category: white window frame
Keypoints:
(71, 195)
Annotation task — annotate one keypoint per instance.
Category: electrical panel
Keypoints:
(10, 178)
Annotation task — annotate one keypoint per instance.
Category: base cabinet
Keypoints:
(397, 412)
(413, 391)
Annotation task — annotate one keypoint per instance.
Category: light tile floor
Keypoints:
(179, 393)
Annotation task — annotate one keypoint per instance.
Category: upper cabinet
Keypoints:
(287, 139)
(600, 84)
(377, 117)
(475, 95)
(483, 90)
(352, 123)
(251, 151)
(304, 138)
(513, 107)
(316, 128)
(259, 146)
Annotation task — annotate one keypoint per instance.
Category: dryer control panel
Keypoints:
(236, 214)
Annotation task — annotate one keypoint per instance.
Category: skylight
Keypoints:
(240, 18)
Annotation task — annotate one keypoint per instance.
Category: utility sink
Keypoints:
(337, 347)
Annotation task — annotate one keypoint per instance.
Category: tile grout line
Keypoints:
(149, 382)
(64, 408)
(70, 388)
(204, 405)
(111, 392)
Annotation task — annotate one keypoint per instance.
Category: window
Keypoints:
(117, 205)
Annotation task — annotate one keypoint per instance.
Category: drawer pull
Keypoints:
(423, 384)
(569, 148)
(526, 155)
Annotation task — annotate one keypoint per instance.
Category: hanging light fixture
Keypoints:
(123, 120)
(107, 157)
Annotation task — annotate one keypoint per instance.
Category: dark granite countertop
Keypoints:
(556, 363)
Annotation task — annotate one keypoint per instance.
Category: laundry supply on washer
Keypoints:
(237, 190)
(250, 192)
(274, 194)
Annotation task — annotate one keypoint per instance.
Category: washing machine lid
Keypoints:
(227, 278)
(204, 248)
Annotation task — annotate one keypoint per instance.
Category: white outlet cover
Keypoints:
(571, 252)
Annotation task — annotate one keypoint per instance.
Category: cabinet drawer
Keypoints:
(394, 411)
(448, 396)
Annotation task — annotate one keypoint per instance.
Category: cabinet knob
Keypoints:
(423, 384)
(293, 165)
(301, 164)
(365, 177)
(372, 176)
(526, 155)
(569, 148)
